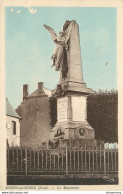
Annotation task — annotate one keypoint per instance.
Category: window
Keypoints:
(14, 127)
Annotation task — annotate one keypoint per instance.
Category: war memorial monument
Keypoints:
(71, 92)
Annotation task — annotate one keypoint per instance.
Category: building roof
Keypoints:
(10, 111)
(45, 92)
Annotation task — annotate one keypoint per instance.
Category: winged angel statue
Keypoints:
(59, 56)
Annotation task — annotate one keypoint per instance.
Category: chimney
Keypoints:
(40, 87)
(25, 91)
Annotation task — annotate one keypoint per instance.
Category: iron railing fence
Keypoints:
(29, 161)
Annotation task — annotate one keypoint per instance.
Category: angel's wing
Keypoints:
(51, 31)
(67, 30)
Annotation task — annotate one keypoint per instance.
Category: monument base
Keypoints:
(73, 133)
(77, 143)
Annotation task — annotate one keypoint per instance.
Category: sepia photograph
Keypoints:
(61, 95)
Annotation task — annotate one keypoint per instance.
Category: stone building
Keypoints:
(12, 126)
(34, 111)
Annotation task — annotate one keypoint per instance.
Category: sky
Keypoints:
(29, 47)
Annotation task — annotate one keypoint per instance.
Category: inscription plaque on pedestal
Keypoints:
(79, 108)
(62, 106)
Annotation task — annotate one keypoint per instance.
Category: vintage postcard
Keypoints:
(61, 72)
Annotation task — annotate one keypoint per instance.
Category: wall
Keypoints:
(13, 140)
(35, 124)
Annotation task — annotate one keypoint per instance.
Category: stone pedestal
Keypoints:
(72, 119)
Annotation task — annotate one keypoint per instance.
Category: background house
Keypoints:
(34, 111)
(12, 125)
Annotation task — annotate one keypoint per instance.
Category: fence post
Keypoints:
(104, 161)
(25, 161)
(8, 159)
(66, 160)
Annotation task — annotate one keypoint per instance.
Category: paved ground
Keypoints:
(66, 181)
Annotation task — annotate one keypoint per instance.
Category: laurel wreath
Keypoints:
(81, 131)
